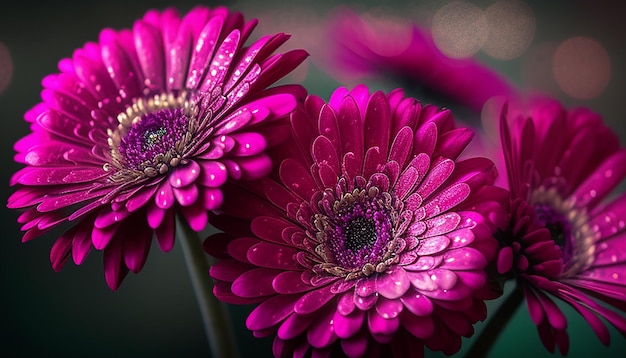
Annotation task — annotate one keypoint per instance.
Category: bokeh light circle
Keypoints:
(459, 29)
(511, 29)
(581, 67)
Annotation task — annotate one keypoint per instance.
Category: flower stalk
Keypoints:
(483, 343)
(217, 324)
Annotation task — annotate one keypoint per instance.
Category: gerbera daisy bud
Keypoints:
(371, 236)
(146, 124)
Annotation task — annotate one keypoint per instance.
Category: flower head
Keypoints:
(366, 47)
(370, 237)
(564, 237)
(146, 124)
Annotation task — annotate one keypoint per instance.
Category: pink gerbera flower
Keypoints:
(370, 239)
(363, 48)
(565, 239)
(146, 124)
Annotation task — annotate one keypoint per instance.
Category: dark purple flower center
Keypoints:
(158, 133)
(559, 226)
(356, 232)
(359, 234)
(568, 226)
(155, 136)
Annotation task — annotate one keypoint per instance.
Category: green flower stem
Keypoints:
(217, 324)
(495, 324)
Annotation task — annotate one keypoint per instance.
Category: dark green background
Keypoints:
(154, 314)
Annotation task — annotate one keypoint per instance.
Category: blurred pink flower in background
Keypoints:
(363, 47)
(567, 236)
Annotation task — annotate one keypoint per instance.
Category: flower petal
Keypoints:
(271, 312)
(186, 196)
(114, 268)
(184, 175)
(389, 309)
(421, 327)
(290, 282)
(213, 174)
(313, 301)
(321, 333)
(347, 326)
(381, 326)
(393, 283)
(255, 283)
(164, 198)
(464, 258)
(274, 256)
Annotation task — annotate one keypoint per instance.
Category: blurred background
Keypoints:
(572, 50)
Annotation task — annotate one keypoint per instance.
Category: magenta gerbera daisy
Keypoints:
(372, 236)
(565, 238)
(147, 124)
